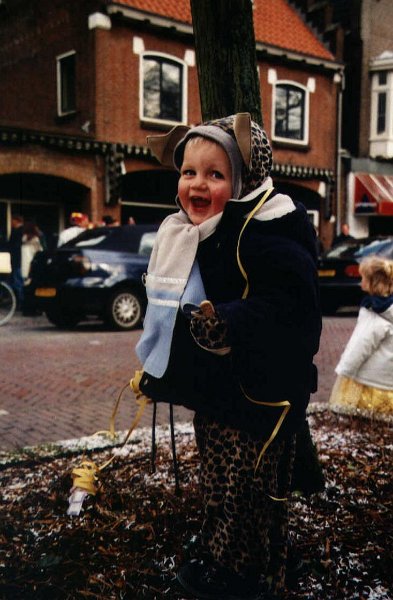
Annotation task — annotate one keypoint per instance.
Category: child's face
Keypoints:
(205, 183)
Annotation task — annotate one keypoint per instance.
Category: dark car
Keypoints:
(98, 273)
(338, 270)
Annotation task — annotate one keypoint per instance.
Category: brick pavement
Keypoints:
(57, 385)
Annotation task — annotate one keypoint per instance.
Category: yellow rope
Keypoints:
(287, 406)
(284, 403)
(249, 217)
(86, 475)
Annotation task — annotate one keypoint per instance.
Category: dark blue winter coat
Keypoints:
(274, 332)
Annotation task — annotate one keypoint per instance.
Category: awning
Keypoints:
(373, 194)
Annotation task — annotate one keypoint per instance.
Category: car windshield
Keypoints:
(137, 239)
(362, 248)
(345, 250)
(380, 247)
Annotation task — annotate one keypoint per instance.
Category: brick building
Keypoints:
(360, 35)
(84, 83)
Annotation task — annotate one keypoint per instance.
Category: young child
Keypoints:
(365, 371)
(231, 328)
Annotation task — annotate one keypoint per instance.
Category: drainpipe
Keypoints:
(339, 79)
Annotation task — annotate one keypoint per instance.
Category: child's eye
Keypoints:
(217, 175)
(188, 172)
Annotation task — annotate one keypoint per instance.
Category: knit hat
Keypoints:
(257, 165)
(249, 139)
(223, 139)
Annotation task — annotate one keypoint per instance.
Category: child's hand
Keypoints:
(208, 330)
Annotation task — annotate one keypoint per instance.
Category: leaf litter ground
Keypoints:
(130, 538)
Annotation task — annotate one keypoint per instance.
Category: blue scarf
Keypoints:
(378, 304)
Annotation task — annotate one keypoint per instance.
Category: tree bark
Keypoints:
(226, 58)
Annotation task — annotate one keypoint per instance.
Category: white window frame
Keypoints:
(376, 89)
(313, 215)
(170, 58)
(381, 143)
(59, 58)
(306, 91)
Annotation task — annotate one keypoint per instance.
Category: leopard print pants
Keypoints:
(243, 528)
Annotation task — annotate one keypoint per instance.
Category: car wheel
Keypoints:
(62, 319)
(124, 310)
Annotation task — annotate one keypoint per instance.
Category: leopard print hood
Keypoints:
(255, 168)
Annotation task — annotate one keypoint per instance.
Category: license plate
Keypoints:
(327, 273)
(45, 292)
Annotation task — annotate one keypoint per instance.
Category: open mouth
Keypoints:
(198, 202)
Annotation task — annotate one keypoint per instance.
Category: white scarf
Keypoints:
(173, 279)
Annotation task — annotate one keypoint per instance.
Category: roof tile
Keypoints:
(276, 23)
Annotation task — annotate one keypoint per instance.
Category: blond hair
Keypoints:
(379, 274)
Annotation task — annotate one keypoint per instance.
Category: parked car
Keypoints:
(98, 273)
(338, 270)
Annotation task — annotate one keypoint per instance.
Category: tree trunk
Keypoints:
(226, 58)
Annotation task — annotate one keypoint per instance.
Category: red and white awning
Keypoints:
(373, 194)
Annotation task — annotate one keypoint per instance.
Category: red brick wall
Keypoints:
(321, 149)
(31, 37)
(118, 85)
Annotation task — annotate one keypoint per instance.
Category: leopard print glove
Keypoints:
(208, 330)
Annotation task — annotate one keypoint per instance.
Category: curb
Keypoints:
(140, 439)
(102, 441)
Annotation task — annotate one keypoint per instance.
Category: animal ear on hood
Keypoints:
(242, 131)
(162, 146)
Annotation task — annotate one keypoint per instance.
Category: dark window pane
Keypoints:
(289, 112)
(67, 84)
(382, 78)
(151, 89)
(171, 92)
(381, 116)
(162, 89)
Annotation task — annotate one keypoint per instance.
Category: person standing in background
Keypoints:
(78, 223)
(344, 236)
(15, 250)
(31, 244)
(109, 221)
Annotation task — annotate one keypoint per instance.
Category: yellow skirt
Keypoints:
(351, 397)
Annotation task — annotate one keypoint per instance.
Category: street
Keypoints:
(56, 385)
